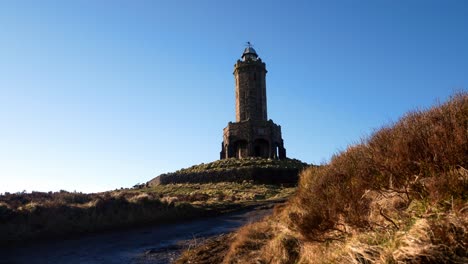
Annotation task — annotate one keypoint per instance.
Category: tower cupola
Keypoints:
(249, 53)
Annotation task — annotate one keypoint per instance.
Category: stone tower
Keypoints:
(252, 135)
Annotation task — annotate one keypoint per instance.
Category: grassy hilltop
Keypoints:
(399, 196)
(37, 215)
(258, 170)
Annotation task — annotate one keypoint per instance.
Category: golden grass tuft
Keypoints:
(248, 241)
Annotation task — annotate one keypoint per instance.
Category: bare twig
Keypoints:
(388, 219)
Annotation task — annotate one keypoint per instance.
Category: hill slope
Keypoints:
(398, 197)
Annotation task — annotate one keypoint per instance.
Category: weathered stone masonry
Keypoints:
(252, 135)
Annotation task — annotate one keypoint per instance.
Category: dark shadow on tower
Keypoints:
(252, 135)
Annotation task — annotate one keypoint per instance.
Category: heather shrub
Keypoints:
(424, 155)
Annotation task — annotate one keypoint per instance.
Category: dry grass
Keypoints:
(26, 216)
(388, 199)
(424, 155)
(222, 192)
(210, 251)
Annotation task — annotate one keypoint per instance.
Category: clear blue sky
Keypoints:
(98, 95)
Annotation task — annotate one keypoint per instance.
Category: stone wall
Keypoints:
(255, 174)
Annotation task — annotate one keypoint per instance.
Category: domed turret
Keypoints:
(249, 53)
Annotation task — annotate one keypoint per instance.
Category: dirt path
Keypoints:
(161, 244)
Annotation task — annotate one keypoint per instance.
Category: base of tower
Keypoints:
(252, 139)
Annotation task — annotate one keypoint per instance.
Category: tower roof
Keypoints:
(249, 51)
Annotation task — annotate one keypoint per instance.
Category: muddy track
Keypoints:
(158, 244)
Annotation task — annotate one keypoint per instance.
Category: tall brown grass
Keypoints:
(423, 155)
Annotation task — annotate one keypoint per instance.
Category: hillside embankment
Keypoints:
(399, 196)
(26, 217)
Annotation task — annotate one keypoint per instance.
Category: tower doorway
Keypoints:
(261, 148)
